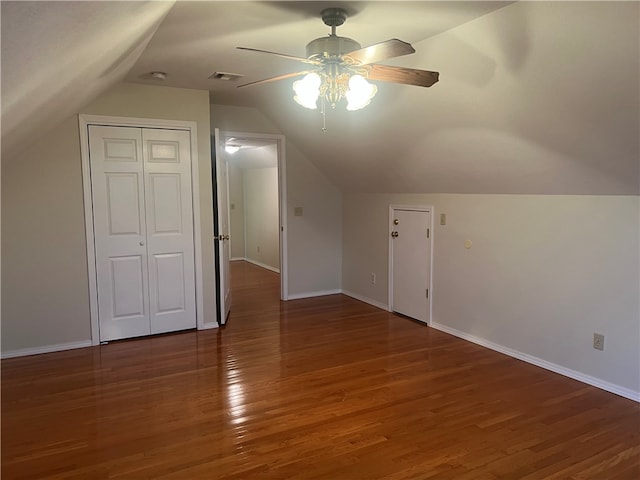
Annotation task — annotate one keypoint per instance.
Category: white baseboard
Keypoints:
(209, 326)
(567, 372)
(368, 300)
(236, 259)
(263, 265)
(23, 352)
(297, 296)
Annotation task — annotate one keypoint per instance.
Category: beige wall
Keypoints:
(261, 216)
(314, 239)
(544, 273)
(45, 296)
(44, 270)
(236, 211)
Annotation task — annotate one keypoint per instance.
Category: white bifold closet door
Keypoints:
(143, 222)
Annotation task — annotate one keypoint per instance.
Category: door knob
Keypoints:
(142, 244)
(394, 234)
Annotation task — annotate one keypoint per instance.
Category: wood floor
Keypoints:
(322, 388)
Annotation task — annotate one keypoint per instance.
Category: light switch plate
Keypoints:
(598, 341)
(297, 211)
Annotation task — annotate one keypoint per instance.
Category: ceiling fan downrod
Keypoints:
(333, 46)
(333, 17)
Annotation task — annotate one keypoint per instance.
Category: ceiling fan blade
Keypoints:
(282, 55)
(275, 79)
(408, 76)
(381, 51)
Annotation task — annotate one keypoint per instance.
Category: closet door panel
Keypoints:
(117, 172)
(169, 226)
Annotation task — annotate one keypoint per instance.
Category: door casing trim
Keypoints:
(84, 121)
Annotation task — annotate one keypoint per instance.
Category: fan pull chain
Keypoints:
(324, 117)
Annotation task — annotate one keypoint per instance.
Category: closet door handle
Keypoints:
(142, 243)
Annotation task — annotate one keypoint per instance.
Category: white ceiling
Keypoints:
(59, 56)
(254, 157)
(254, 152)
(534, 97)
(198, 39)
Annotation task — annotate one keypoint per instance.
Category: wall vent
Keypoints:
(226, 76)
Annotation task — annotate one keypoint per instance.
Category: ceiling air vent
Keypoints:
(226, 76)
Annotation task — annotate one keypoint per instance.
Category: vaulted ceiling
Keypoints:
(534, 97)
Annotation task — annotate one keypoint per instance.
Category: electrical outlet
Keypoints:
(373, 279)
(598, 341)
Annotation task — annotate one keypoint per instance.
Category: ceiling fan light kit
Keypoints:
(341, 67)
(354, 88)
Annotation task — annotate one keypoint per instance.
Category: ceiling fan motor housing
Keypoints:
(331, 46)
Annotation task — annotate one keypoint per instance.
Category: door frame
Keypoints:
(415, 208)
(279, 140)
(84, 121)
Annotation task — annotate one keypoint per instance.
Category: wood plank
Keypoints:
(326, 387)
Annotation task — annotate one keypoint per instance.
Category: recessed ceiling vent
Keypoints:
(226, 76)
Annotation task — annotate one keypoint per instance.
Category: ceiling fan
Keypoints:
(339, 68)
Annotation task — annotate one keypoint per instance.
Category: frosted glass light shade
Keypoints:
(360, 93)
(307, 90)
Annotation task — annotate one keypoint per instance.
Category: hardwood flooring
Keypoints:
(320, 388)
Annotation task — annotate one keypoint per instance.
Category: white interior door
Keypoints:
(141, 192)
(169, 219)
(410, 260)
(120, 231)
(224, 250)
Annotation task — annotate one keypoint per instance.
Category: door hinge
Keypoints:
(427, 293)
(427, 233)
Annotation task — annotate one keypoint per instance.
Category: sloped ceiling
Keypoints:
(58, 56)
(534, 97)
(537, 97)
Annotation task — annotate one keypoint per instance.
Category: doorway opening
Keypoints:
(250, 208)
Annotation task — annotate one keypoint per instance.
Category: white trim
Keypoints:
(209, 326)
(23, 352)
(414, 208)
(83, 122)
(197, 232)
(368, 300)
(237, 259)
(244, 212)
(282, 188)
(298, 296)
(567, 372)
(262, 265)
